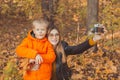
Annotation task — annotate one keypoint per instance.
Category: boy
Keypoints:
(37, 48)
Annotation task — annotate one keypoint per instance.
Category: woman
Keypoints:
(62, 49)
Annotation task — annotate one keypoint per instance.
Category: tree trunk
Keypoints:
(49, 8)
(92, 15)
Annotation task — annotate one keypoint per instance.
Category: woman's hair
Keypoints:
(59, 48)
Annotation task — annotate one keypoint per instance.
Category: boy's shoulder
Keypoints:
(47, 42)
(25, 39)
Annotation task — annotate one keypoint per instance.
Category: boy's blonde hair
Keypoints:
(39, 22)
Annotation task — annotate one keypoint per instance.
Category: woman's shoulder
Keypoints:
(64, 43)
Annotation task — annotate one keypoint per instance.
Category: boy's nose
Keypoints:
(40, 31)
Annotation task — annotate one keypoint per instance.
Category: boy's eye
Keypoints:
(42, 29)
(37, 29)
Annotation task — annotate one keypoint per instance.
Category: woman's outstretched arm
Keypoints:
(77, 49)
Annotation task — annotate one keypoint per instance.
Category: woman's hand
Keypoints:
(97, 36)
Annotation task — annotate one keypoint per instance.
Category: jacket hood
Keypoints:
(31, 36)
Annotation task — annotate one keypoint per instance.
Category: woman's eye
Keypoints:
(51, 35)
(56, 34)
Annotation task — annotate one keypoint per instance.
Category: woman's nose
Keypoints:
(54, 37)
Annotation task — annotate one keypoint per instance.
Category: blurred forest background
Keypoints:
(74, 18)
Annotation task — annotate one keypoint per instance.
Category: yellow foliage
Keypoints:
(75, 18)
(66, 16)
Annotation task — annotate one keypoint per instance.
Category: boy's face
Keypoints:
(40, 31)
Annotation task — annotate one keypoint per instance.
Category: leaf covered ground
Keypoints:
(103, 65)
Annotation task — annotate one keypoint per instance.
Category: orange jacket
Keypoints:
(29, 48)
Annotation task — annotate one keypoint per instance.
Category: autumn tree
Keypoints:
(49, 8)
(92, 14)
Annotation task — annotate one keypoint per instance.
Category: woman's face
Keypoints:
(53, 37)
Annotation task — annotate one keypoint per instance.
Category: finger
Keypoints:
(31, 61)
(41, 59)
(37, 61)
(105, 30)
